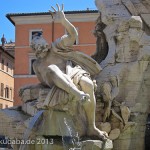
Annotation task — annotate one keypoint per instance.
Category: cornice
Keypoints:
(42, 19)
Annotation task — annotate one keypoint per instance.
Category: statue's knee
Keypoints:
(52, 69)
(90, 85)
(87, 84)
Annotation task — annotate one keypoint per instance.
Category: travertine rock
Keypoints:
(12, 124)
(125, 113)
(146, 17)
(114, 134)
(128, 28)
(29, 92)
(83, 145)
(105, 127)
(30, 107)
(135, 22)
(96, 145)
(139, 108)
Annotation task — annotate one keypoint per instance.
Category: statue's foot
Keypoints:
(96, 132)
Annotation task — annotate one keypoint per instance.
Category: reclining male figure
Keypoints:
(50, 69)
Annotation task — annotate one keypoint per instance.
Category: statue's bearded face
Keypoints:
(39, 46)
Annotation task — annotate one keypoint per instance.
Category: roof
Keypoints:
(9, 46)
(5, 51)
(46, 13)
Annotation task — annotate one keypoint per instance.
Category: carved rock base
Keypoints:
(84, 145)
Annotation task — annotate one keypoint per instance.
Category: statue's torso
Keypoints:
(41, 65)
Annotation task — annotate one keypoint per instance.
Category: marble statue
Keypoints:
(70, 72)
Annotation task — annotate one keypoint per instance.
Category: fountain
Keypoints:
(58, 113)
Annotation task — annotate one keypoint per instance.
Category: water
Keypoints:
(71, 142)
(32, 125)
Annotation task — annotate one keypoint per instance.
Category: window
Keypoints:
(2, 89)
(7, 92)
(31, 67)
(36, 32)
(1, 106)
(2, 64)
(77, 38)
(7, 67)
(6, 106)
(11, 93)
(75, 43)
(32, 58)
(11, 69)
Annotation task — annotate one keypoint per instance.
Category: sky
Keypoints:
(31, 6)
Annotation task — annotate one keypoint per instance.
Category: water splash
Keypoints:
(73, 140)
(63, 141)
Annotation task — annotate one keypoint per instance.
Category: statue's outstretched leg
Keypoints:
(88, 87)
(56, 76)
(61, 80)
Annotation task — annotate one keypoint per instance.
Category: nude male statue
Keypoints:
(50, 68)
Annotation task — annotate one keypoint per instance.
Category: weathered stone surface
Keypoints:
(30, 107)
(105, 127)
(139, 108)
(130, 7)
(96, 145)
(13, 123)
(29, 92)
(109, 14)
(146, 17)
(136, 22)
(83, 145)
(125, 113)
(114, 134)
(132, 55)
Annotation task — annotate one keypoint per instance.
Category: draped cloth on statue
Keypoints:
(58, 96)
(78, 58)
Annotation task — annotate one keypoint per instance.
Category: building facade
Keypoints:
(27, 24)
(6, 78)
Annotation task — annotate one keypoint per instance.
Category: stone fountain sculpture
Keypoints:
(123, 89)
(58, 113)
(61, 106)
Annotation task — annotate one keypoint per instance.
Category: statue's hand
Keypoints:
(58, 14)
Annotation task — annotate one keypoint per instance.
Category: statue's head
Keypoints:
(39, 46)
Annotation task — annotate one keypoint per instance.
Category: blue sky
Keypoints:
(25, 6)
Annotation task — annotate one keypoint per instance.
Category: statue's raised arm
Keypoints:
(69, 38)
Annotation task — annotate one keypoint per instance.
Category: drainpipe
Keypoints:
(53, 30)
(53, 26)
